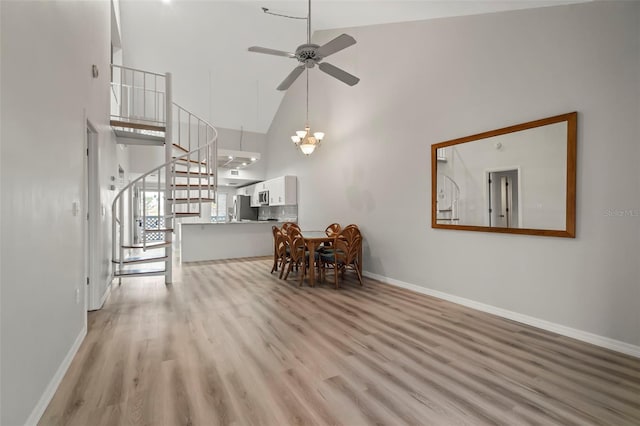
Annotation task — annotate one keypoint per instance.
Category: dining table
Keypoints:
(312, 240)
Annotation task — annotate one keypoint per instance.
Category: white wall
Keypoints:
(431, 81)
(47, 94)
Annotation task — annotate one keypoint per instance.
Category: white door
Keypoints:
(503, 199)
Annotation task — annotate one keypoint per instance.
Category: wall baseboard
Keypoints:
(47, 395)
(605, 342)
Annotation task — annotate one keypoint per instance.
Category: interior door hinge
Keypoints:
(87, 152)
(87, 280)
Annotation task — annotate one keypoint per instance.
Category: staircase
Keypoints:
(145, 211)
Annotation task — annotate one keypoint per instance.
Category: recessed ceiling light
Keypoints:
(244, 164)
(230, 157)
(253, 158)
(166, 1)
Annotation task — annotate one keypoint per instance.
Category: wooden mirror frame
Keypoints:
(570, 224)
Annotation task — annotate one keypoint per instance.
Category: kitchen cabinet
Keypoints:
(255, 201)
(282, 191)
(245, 191)
(252, 191)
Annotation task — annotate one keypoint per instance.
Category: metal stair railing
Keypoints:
(138, 96)
(188, 132)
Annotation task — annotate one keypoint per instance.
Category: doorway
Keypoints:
(504, 198)
(92, 206)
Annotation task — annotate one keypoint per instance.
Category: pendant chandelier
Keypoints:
(304, 139)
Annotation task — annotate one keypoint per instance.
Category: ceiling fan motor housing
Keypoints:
(307, 54)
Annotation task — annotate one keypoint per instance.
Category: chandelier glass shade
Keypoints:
(304, 139)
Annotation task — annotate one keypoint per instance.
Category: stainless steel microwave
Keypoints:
(263, 197)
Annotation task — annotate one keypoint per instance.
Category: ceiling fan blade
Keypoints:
(267, 51)
(337, 44)
(341, 75)
(291, 78)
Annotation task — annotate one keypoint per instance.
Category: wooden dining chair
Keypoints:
(280, 254)
(344, 253)
(331, 231)
(275, 231)
(298, 254)
(287, 225)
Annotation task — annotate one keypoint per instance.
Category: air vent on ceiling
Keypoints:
(235, 172)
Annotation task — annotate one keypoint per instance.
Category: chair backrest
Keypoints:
(288, 225)
(297, 245)
(333, 229)
(347, 244)
(280, 243)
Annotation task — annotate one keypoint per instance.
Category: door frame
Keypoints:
(92, 217)
(485, 189)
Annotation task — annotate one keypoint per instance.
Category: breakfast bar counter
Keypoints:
(226, 240)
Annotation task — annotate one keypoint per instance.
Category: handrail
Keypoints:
(139, 95)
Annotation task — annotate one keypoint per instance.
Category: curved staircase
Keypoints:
(143, 112)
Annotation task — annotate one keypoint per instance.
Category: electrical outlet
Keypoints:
(77, 295)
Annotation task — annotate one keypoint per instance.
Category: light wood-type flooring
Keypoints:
(229, 343)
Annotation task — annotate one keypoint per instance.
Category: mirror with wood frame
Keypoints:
(519, 179)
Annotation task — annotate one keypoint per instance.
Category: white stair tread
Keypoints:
(176, 146)
(193, 175)
(149, 139)
(150, 246)
(191, 187)
(190, 200)
(159, 230)
(146, 272)
(185, 214)
(191, 161)
(142, 259)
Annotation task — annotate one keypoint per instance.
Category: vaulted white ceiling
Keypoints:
(204, 45)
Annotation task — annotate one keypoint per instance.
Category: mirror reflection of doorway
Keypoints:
(503, 199)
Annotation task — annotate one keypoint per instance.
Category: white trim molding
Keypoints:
(605, 342)
(47, 395)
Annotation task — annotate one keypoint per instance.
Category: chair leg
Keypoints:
(288, 270)
(282, 267)
(357, 268)
(335, 274)
(304, 272)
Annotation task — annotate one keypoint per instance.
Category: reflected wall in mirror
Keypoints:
(519, 179)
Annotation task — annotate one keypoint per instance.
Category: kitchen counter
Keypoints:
(226, 240)
(243, 222)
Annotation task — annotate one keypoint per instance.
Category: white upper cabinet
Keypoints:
(255, 200)
(282, 191)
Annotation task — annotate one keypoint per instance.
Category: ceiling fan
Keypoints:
(310, 55)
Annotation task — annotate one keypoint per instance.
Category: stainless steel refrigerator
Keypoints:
(242, 209)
